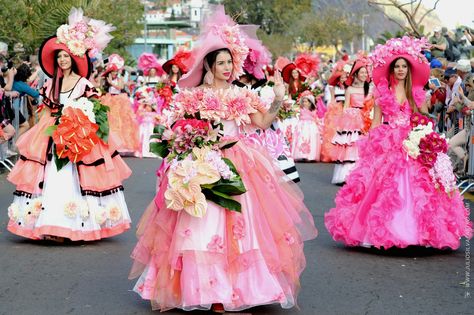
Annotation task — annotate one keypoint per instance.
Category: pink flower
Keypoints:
(187, 233)
(216, 244)
(238, 229)
(427, 159)
(305, 147)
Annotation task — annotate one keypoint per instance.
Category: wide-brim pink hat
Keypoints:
(407, 48)
(47, 58)
(218, 31)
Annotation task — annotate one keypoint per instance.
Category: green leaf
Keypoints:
(159, 148)
(222, 200)
(159, 129)
(60, 163)
(50, 130)
(228, 145)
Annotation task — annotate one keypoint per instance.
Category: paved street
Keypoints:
(41, 278)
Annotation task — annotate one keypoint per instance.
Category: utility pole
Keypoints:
(145, 35)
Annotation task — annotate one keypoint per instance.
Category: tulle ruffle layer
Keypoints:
(238, 259)
(390, 200)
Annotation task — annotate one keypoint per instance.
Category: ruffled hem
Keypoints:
(386, 183)
(39, 232)
(256, 255)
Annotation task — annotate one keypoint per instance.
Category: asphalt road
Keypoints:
(91, 278)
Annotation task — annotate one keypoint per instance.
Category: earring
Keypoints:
(209, 78)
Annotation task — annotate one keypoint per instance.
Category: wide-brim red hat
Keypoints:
(286, 73)
(358, 64)
(167, 66)
(420, 71)
(110, 68)
(47, 58)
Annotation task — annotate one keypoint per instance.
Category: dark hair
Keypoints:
(23, 72)
(170, 73)
(55, 94)
(408, 83)
(366, 84)
(211, 59)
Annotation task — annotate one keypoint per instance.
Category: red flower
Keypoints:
(307, 64)
(427, 159)
(75, 136)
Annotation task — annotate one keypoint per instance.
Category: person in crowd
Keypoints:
(438, 44)
(353, 121)
(68, 178)
(152, 69)
(122, 119)
(307, 137)
(401, 192)
(21, 86)
(237, 260)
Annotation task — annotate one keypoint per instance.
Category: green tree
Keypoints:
(31, 21)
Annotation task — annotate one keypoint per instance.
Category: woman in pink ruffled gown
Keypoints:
(226, 260)
(392, 199)
(350, 123)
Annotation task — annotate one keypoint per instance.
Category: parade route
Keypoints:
(91, 278)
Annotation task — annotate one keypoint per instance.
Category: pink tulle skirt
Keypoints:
(328, 149)
(390, 200)
(238, 259)
(307, 141)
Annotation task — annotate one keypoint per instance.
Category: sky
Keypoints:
(454, 12)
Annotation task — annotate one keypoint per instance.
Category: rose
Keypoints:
(114, 213)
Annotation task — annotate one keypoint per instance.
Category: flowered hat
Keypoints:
(259, 56)
(182, 59)
(306, 64)
(115, 63)
(148, 61)
(217, 32)
(339, 68)
(306, 94)
(408, 48)
(281, 63)
(361, 62)
(81, 38)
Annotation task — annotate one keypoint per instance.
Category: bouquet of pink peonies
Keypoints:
(193, 145)
(429, 149)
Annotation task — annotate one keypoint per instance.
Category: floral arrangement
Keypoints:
(84, 34)
(165, 92)
(400, 46)
(192, 145)
(429, 149)
(288, 109)
(80, 125)
(307, 64)
(145, 103)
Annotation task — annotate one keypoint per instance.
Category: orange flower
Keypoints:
(75, 136)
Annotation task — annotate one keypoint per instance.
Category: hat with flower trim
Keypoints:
(81, 38)
(407, 48)
(219, 31)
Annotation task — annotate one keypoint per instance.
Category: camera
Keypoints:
(7, 67)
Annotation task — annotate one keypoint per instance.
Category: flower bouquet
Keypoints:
(192, 145)
(429, 149)
(288, 109)
(80, 125)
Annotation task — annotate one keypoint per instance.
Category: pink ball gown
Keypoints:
(238, 259)
(389, 198)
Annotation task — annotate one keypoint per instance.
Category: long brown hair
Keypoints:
(407, 85)
(58, 78)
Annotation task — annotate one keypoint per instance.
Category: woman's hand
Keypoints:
(279, 87)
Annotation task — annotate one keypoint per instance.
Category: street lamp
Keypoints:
(363, 30)
(146, 28)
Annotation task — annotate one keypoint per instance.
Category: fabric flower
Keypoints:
(84, 210)
(71, 209)
(216, 244)
(114, 213)
(100, 215)
(14, 211)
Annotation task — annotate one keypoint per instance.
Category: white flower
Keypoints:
(14, 211)
(267, 95)
(100, 215)
(70, 209)
(86, 106)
